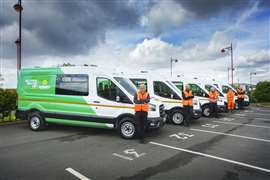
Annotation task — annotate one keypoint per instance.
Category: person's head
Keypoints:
(213, 89)
(187, 87)
(142, 88)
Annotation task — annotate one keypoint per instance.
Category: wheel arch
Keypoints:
(120, 117)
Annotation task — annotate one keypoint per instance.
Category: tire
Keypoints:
(177, 117)
(127, 128)
(206, 111)
(36, 121)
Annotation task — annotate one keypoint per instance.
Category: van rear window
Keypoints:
(72, 84)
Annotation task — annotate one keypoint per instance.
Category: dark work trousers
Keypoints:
(141, 123)
(188, 114)
(240, 103)
(214, 109)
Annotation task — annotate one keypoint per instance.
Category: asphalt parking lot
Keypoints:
(232, 147)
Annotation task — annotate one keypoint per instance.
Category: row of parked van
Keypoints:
(88, 96)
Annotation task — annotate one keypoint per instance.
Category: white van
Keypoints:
(161, 90)
(222, 102)
(81, 96)
(198, 91)
(225, 87)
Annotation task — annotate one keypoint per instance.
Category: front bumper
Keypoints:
(246, 103)
(155, 123)
(197, 113)
(21, 114)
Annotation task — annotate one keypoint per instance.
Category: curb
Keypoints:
(12, 123)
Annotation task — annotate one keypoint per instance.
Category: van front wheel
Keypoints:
(127, 128)
(206, 111)
(177, 117)
(36, 121)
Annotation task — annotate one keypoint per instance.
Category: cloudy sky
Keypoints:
(134, 35)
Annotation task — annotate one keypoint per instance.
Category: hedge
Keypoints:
(8, 102)
(262, 92)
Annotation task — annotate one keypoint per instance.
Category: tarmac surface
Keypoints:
(235, 146)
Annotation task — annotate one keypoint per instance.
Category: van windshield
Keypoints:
(127, 84)
(197, 90)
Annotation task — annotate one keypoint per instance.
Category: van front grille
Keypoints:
(162, 110)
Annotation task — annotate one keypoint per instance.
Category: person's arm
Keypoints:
(135, 99)
(147, 99)
(184, 96)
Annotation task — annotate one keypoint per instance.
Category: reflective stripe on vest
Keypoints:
(187, 102)
(141, 107)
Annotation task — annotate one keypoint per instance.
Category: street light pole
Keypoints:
(230, 48)
(173, 60)
(232, 61)
(250, 79)
(18, 8)
(228, 75)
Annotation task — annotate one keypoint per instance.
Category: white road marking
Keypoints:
(263, 119)
(244, 115)
(211, 156)
(210, 125)
(251, 125)
(259, 113)
(257, 118)
(233, 135)
(227, 119)
(77, 174)
(134, 153)
(182, 136)
(123, 157)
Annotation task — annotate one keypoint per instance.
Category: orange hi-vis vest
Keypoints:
(240, 94)
(230, 96)
(141, 107)
(187, 102)
(213, 95)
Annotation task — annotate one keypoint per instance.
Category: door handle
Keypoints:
(96, 101)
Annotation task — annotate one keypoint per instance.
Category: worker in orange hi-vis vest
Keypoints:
(213, 98)
(230, 100)
(240, 97)
(141, 100)
(188, 104)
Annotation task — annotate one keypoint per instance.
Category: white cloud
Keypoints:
(164, 15)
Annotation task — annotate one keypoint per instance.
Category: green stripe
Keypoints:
(77, 123)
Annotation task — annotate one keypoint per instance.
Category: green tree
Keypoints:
(262, 92)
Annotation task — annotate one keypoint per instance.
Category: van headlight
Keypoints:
(152, 107)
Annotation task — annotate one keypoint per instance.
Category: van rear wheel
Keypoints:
(36, 121)
(127, 128)
(177, 117)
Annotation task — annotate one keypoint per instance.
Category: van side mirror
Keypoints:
(117, 98)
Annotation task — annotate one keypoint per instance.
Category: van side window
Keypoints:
(72, 84)
(179, 85)
(197, 90)
(225, 89)
(162, 90)
(108, 90)
(137, 82)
